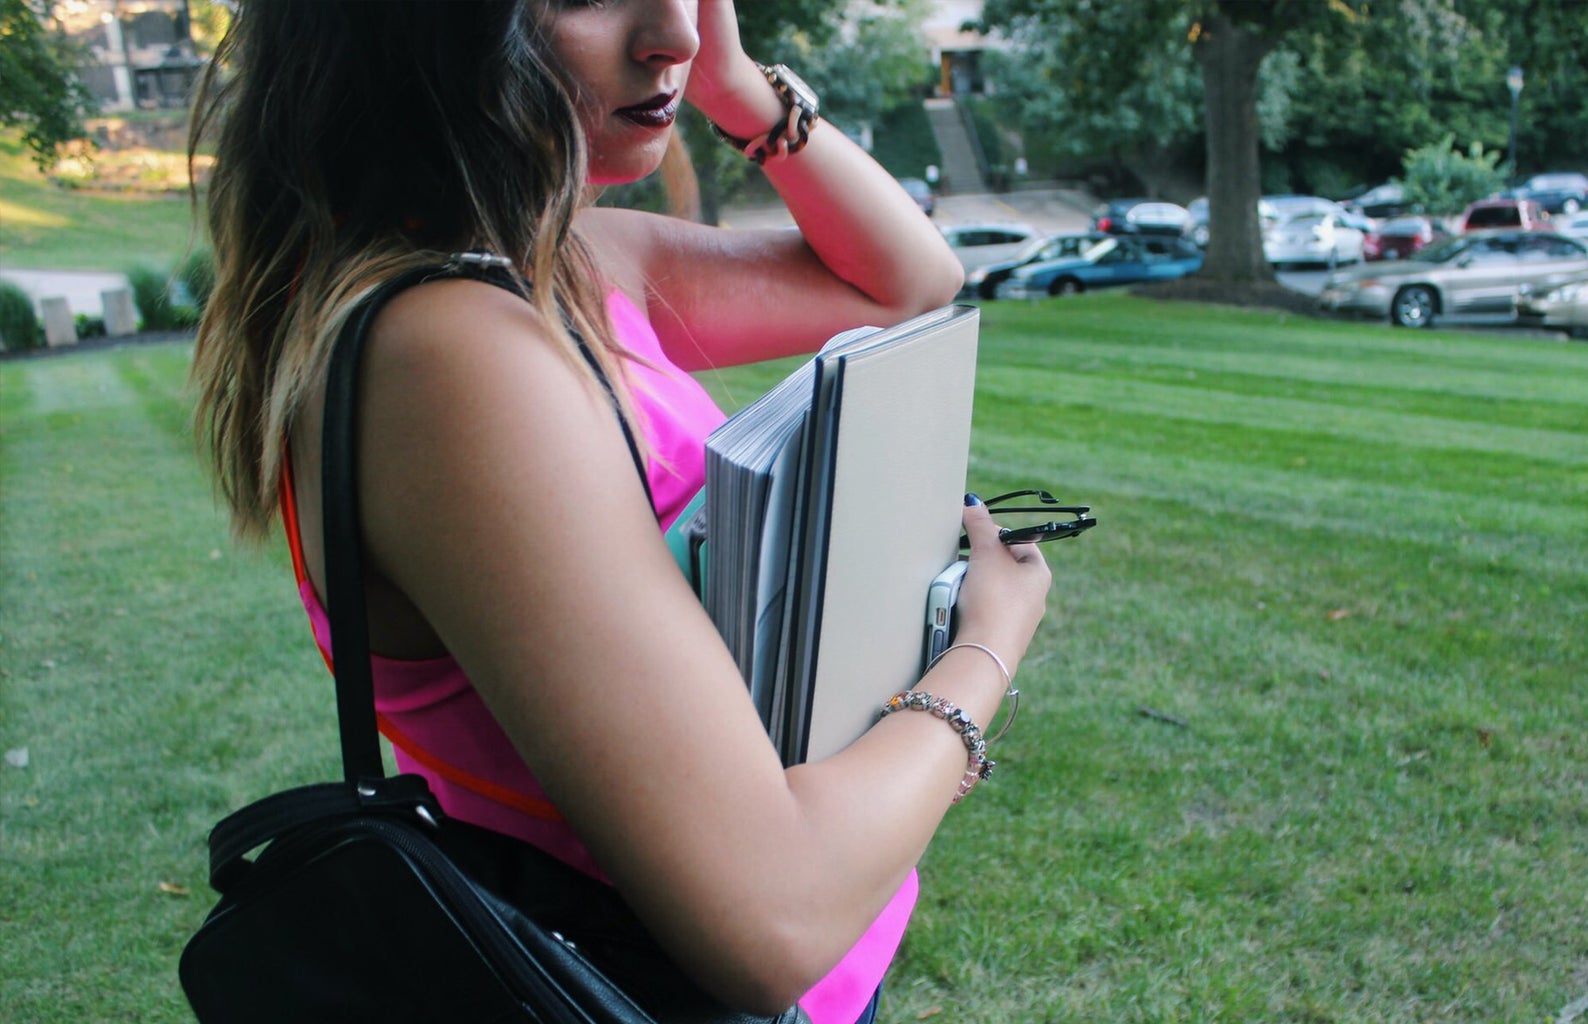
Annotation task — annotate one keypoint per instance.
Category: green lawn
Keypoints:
(1302, 737)
(45, 227)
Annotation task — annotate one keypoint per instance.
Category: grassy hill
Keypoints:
(44, 226)
(1301, 737)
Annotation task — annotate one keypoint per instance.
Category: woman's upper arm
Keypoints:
(502, 500)
(725, 297)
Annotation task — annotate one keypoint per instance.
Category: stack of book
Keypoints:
(831, 503)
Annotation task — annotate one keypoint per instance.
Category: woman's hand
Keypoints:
(724, 83)
(864, 252)
(1005, 591)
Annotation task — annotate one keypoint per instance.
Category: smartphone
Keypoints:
(940, 599)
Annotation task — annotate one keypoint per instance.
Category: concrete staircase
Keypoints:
(961, 170)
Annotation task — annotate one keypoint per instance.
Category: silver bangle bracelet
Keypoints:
(1012, 694)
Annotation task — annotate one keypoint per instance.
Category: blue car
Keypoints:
(1560, 192)
(1116, 260)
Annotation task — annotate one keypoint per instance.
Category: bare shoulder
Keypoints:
(463, 333)
(438, 315)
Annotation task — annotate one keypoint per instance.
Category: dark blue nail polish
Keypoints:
(972, 499)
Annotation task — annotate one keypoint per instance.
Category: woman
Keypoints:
(540, 656)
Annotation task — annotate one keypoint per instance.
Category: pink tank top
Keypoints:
(439, 727)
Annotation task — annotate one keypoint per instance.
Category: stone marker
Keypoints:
(59, 328)
(120, 317)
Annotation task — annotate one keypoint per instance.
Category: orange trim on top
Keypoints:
(478, 785)
(289, 516)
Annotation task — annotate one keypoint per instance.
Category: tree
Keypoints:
(39, 92)
(1134, 109)
(1395, 80)
(768, 30)
(870, 66)
(1118, 43)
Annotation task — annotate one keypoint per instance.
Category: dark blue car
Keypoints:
(1116, 260)
(1560, 192)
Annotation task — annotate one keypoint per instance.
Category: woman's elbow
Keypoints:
(774, 981)
(949, 280)
(931, 285)
(769, 974)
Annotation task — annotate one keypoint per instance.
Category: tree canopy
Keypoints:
(1290, 95)
(39, 91)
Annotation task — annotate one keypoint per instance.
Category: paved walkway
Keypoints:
(80, 288)
(1051, 210)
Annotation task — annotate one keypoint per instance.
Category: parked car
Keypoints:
(1502, 213)
(1573, 224)
(922, 193)
(1313, 236)
(1115, 260)
(1563, 307)
(1399, 237)
(983, 282)
(1284, 207)
(1138, 217)
(980, 244)
(1558, 192)
(1270, 211)
(1196, 223)
(1195, 228)
(1379, 202)
(1478, 273)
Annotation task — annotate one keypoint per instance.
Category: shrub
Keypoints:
(151, 291)
(1442, 181)
(197, 275)
(89, 326)
(19, 325)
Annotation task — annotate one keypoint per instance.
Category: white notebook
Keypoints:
(831, 504)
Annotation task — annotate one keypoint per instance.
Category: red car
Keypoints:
(1398, 237)
(1515, 214)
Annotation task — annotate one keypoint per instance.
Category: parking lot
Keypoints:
(1049, 211)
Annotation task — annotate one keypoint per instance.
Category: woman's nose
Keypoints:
(666, 32)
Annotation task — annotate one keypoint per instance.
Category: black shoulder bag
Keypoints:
(366, 902)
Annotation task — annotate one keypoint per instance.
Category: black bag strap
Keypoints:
(365, 787)
(344, 559)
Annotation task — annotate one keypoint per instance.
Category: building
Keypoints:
(139, 52)
(956, 52)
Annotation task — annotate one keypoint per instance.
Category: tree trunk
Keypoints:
(1229, 56)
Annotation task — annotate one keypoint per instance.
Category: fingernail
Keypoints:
(972, 499)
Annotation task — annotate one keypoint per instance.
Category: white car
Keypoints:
(977, 245)
(1573, 224)
(1316, 236)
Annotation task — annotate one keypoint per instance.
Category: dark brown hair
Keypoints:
(352, 141)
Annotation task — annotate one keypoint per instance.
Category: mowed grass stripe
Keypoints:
(1502, 372)
(143, 673)
(1188, 401)
(1477, 402)
(1127, 322)
(1541, 537)
(1379, 460)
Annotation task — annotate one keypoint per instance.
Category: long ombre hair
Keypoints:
(352, 142)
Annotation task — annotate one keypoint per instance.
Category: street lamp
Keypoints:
(1513, 82)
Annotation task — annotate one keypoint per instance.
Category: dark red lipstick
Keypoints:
(657, 112)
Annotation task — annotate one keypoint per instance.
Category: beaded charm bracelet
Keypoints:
(1010, 693)
(977, 766)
